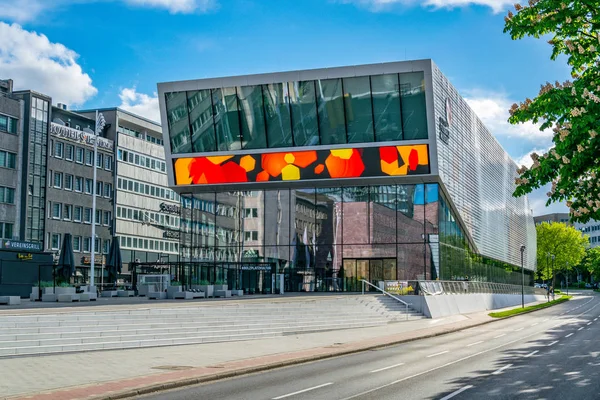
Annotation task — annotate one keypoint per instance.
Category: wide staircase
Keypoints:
(161, 325)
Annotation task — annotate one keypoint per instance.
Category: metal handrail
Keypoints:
(385, 293)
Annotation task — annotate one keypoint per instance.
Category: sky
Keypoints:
(106, 53)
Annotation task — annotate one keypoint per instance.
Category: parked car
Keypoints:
(588, 285)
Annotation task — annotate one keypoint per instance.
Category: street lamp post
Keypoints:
(553, 257)
(424, 256)
(567, 274)
(522, 279)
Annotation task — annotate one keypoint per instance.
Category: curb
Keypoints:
(530, 311)
(245, 371)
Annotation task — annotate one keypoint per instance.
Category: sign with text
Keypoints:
(25, 257)
(20, 245)
(396, 287)
(256, 267)
(78, 136)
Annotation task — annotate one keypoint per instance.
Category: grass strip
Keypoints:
(516, 311)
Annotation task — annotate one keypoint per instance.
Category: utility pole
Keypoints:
(522, 279)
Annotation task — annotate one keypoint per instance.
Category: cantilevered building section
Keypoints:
(378, 172)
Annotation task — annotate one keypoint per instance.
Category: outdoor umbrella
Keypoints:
(66, 261)
(114, 264)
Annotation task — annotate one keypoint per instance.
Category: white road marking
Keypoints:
(520, 329)
(451, 395)
(595, 319)
(437, 354)
(501, 369)
(553, 343)
(455, 361)
(547, 319)
(499, 336)
(302, 391)
(569, 335)
(384, 368)
(535, 324)
(473, 344)
(530, 354)
(580, 328)
(589, 323)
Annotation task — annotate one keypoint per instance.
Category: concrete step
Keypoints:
(39, 349)
(180, 324)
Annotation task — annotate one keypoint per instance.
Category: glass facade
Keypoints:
(328, 239)
(36, 179)
(361, 109)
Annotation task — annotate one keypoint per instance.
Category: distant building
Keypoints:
(554, 217)
(592, 229)
(11, 131)
(70, 188)
(147, 231)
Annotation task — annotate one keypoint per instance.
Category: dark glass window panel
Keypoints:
(414, 112)
(303, 103)
(277, 113)
(177, 118)
(250, 100)
(227, 119)
(359, 114)
(386, 107)
(331, 111)
(201, 120)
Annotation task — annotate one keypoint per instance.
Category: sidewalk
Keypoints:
(115, 374)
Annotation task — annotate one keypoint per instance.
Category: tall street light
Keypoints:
(553, 257)
(522, 279)
(567, 274)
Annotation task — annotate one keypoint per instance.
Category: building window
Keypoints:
(89, 186)
(77, 243)
(107, 218)
(56, 209)
(79, 154)
(108, 190)
(68, 212)
(7, 195)
(89, 156)
(8, 124)
(69, 150)
(97, 246)
(99, 160)
(87, 245)
(8, 160)
(98, 217)
(106, 246)
(250, 235)
(99, 188)
(251, 213)
(55, 241)
(58, 176)
(77, 215)
(58, 149)
(78, 183)
(87, 216)
(6, 230)
(68, 182)
(108, 161)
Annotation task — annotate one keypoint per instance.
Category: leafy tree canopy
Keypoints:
(566, 243)
(571, 108)
(591, 262)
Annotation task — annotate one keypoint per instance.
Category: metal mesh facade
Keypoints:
(479, 177)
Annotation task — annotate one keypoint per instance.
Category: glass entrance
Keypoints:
(374, 270)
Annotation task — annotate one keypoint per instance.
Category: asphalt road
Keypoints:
(549, 354)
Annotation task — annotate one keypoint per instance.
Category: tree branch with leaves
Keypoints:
(571, 108)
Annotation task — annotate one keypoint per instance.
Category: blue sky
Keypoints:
(103, 53)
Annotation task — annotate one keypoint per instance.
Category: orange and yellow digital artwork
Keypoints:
(303, 165)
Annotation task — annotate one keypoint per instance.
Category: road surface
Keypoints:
(549, 354)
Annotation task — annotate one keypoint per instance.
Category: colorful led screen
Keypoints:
(303, 165)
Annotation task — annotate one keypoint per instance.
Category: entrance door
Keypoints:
(375, 273)
(373, 270)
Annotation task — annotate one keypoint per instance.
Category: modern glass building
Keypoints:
(329, 176)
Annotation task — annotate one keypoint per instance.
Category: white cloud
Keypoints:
(33, 62)
(140, 103)
(537, 202)
(492, 109)
(30, 10)
(177, 6)
(382, 5)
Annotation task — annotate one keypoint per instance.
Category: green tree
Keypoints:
(591, 262)
(565, 243)
(572, 109)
